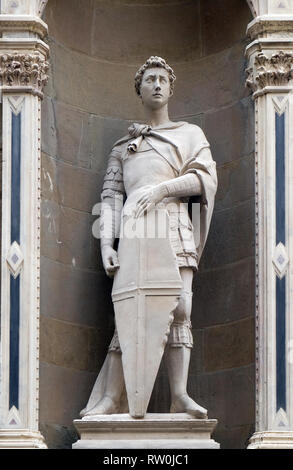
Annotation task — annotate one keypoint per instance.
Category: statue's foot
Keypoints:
(185, 404)
(82, 413)
(106, 406)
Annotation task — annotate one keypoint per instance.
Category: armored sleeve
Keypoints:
(113, 181)
(112, 199)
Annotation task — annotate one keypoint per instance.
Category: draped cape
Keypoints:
(186, 149)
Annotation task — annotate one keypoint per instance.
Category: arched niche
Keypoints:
(96, 47)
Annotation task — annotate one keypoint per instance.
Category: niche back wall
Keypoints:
(96, 48)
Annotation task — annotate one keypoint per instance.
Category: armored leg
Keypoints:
(108, 401)
(178, 352)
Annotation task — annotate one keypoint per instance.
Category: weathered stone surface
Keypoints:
(95, 76)
(75, 237)
(104, 132)
(230, 131)
(236, 182)
(58, 436)
(84, 141)
(60, 340)
(207, 84)
(78, 296)
(191, 96)
(66, 235)
(49, 186)
(49, 131)
(136, 26)
(230, 345)
(231, 236)
(89, 28)
(236, 437)
(224, 294)
(88, 183)
(229, 396)
(71, 22)
(50, 229)
(63, 393)
(223, 23)
(197, 119)
(73, 132)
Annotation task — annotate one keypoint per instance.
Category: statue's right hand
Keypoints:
(110, 260)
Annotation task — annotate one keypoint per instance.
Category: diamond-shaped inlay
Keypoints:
(280, 102)
(280, 260)
(13, 418)
(15, 259)
(281, 419)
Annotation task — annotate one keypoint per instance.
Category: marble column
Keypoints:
(270, 76)
(23, 74)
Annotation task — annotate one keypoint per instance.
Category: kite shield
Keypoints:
(145, 292)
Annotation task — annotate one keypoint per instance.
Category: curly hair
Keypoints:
(153, 61)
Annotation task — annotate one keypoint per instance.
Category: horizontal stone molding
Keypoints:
(23, 70)
(262, 26)
(24, 46)
(272, 440)
(21, 439)
(274, 71)
(16, 24)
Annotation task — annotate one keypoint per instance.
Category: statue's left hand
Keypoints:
(149, 199)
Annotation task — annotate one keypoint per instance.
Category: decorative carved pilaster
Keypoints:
(24, 70)
(276, 70)
(23, 75)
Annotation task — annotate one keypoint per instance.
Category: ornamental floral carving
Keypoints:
(23, 70)
(276, 70)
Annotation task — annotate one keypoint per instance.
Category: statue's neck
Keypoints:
(158, 117)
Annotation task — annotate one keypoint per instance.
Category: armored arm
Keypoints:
(112, 203)
(196, 178)
(183, 186)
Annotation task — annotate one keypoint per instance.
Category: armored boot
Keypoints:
(178, 357)
(109, 392)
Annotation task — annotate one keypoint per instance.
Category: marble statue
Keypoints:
(157, 166)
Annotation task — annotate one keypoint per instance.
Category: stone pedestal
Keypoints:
(154, 431)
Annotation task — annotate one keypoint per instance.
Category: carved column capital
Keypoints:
(270, 71)
(28, 72)
(270, 51)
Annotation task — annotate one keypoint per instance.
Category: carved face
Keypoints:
(155, 88)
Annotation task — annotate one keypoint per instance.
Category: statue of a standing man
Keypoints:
(158, 163)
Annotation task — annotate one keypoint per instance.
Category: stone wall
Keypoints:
(96, 48)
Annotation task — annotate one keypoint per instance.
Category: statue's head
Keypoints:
(154, 82)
